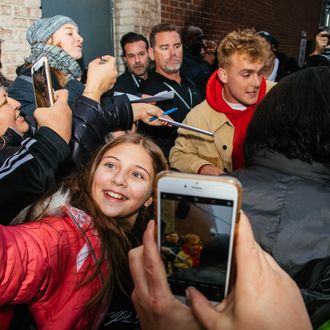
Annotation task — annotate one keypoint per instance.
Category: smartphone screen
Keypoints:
(195, 236)
(42, 84)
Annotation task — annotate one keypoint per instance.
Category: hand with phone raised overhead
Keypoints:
(264, 296)
(58, 117)
(101, 76)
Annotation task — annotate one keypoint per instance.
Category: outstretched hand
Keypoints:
(145, 111)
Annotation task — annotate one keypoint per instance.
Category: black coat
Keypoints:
(286, 66)
(91, 122)
(288, 204)
(30, 171)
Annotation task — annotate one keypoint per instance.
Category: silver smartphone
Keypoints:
(42, 83)
(196, 220)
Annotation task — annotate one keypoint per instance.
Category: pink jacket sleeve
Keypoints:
(33, 258)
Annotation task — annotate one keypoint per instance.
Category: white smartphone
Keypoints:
(196, 220)
(42, 83)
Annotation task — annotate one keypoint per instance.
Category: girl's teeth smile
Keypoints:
(114, 195)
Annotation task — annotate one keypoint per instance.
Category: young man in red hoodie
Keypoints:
(232, 94)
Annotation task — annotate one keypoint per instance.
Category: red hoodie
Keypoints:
(240, 119)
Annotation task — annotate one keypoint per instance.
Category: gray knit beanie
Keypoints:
(44, 28)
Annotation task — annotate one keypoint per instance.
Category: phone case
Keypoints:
(217, 179)
(179, 175)
(43, 91)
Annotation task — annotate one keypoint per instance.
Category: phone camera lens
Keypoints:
(185, 186)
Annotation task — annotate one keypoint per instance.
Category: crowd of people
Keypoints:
(78, 247)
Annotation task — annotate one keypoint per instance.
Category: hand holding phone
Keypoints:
(42, 83)
(201, 211)
(59, 119)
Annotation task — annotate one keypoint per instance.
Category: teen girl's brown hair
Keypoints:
(115, 237)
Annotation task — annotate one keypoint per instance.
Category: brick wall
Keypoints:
(15, 17)
(283, 18)
(134, 16)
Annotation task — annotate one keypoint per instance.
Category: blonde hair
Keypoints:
(191, 239)
(243, 42)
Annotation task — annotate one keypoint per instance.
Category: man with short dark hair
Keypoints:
(166, 50)
(135, 53)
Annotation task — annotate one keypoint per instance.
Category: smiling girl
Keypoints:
(68, 267)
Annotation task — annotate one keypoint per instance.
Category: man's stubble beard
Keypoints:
(174, 68)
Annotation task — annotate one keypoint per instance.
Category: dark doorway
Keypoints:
(95, 21)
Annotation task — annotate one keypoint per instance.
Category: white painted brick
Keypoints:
(33, 3)
(15, 17)
(127, 20)
(15, 2)
(21, 12)
(6, 34)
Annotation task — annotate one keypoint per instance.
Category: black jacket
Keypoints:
(10, 142)
(286, 66)
(30, 171)
(197, 70)
(288, 203)
(128, 83)
(91, 122)
(165, 137)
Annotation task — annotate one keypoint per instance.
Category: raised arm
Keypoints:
(32, 169)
